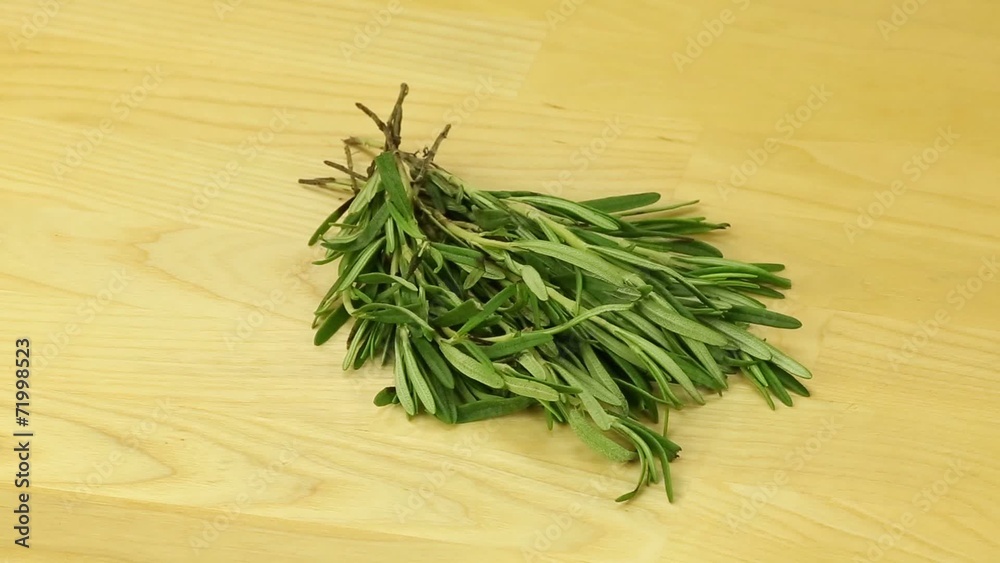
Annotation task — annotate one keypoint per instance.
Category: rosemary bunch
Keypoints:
(493, 302)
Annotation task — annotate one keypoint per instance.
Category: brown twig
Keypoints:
(345, 170)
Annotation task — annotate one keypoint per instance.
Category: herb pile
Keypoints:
(488, 303)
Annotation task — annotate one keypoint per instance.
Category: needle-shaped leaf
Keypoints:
(488, 309)
(664, 316)
(774, 384)
(758, 316)
(471, 367)
(584, 381)
(517, 343)
(530, 388)
(434, 362)
(413, 371)
(402, 383)
(787, 363)
(458, 314)
(585, 260)
(789, 381)
(596, 368)
(616, 204)
(330, 221)
(381, 278)
(596, 439)
(572, 209)
(746, 341)
(492, 408)
(534, 282)
(386, 396)
(331, 325)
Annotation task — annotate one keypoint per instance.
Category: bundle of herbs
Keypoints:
(594, 313)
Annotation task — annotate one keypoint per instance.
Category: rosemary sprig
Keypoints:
(495, 302)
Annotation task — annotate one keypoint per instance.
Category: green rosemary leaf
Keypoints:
(707, 361)
(748, 374)
(597, 369)
(402, 384)
(666, 362)
(473, 278)
(444, 400)
(574, 210)
(787, 363)
(393, 314)
(789, 381)
(331, 325)
(459, 314)
(759, 316)
(585, 316)
(534, 282)
(435, 362)
(662, 208)
(774, 384)
(769, 267)
(530, 388)
(662, 315)
(517, 343)
(585, 260)
(593, 437)
(386, 397)
(533, 365)
(471, 367)
(600, 417)
(392, 182)
(381, 278)
(734, 266)
(358, 264)
(577, 378)
(617, 204)
(642, 449)
(488, 309)
(695, 248)
(413, 371)
(492, 408)
(330, 221)
(746, 341)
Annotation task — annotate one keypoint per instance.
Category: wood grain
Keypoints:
(153, 248)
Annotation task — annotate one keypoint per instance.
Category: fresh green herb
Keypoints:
(491, 303)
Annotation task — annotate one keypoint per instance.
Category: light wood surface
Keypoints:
(153, 249)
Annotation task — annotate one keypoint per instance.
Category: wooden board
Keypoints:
(153, 251)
